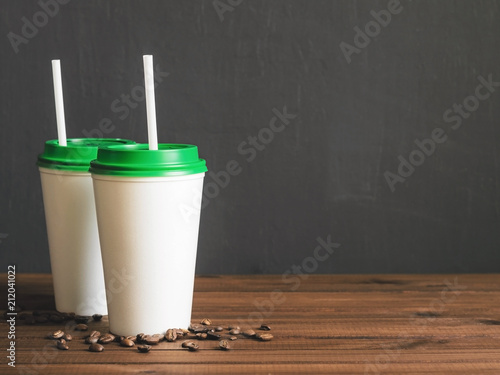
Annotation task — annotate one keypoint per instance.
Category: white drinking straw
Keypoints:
(149, 79)
(58, 95)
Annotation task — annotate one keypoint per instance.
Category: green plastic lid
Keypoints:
(138, 161)
(77, 155)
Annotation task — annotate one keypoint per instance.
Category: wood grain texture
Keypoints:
(371, 324)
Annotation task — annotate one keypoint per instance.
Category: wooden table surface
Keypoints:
(342, 324)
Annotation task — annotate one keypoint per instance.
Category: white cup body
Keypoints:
(148, 229)
(75, 255)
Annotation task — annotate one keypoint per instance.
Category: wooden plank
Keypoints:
(290, 368)
(391, 324)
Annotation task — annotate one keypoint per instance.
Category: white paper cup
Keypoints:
(148, 211)
(70, 215)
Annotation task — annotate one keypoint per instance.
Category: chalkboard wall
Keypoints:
(361, 136)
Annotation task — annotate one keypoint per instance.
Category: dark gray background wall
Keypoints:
(230, 69)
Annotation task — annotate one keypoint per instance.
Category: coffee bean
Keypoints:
(91, 340)
(213, 336)
(193, 347)
(184, 331)
(41, 318)
(127, 343)
(201, 336)
(132, 338)
(64, 316)
(197, 328)
(232, 327)
(36, 313)
(97, 317)
(67, 337)
(56, 318)
(81, 327)
(82, 319)
(143, 348)
(56, 334)
(206, 322)
(265, 327)
(224, 345)
(119, 338)
(68, 316)
(94, 334)
(234, 331)
(264, 336)
(170, 335)
(186, 343)
(30, 320)
(140, 337)
(151, 339)
(232, 338)
(96, 348)
(179, 332)
(106, 338)
(218, 329)
(249, 333)
(61, 345)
